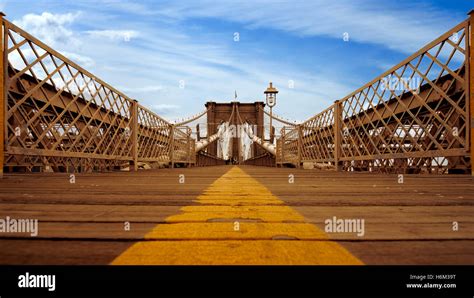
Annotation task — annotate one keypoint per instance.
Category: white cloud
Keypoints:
(165, 109)
(115, 35)
(396, 27)
(209, 69)
(162, 53)
(144, 89)
(132, 7)
(50, 28)
(53, 30)
(81, 60)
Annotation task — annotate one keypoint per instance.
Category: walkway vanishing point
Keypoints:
(394, 164)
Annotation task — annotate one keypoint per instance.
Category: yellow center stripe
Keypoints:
(238, 221)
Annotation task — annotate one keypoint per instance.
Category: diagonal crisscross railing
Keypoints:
(61, 117)
(317, 136)
(416, 117)
(413, 118)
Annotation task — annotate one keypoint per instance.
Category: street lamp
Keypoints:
(270, 95)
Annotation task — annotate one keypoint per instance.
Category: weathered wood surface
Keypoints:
(83, 223)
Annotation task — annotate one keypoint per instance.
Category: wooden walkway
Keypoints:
(237, 215)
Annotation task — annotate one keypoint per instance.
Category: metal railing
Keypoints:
(413, 118)
(289, 146)
(416, 117)
(58, 116)
(266, 159)
(204, 159)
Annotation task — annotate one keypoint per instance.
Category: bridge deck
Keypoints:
(279, 222)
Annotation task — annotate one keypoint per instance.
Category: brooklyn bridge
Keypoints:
(381, 176)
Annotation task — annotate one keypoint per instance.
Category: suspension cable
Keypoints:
(191, 119)
(279, 119)
(238, 117)
(265, 145)
(204, 143)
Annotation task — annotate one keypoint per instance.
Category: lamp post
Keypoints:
(270, 95)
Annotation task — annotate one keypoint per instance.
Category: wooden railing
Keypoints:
(61, 117)
(266, 159)
(413, 118)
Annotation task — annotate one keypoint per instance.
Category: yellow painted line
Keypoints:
(210, 213)
(220, 230)
(239, 221)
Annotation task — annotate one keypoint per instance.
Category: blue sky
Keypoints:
(147, 49)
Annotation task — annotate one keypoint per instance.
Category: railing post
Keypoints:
(190, 158)
(172, 145)
(282, 161)
(282, 146)
(300, 145)
(134, 120)
(3, 64)
(470, 61)
(193, 152)
(337, 134)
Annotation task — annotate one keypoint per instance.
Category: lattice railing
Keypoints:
(318, 137)
(182, 145)
(412, 118)
(289, 144)
(154, 137)
(204, 159)
(266, 159)
(61, 117)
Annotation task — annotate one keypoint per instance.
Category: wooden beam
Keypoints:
(134, 131)
(300, 146)
(57, 153)
(3, 62)
(171, 153)
(337, 133)
(414, 154)
(470, 61)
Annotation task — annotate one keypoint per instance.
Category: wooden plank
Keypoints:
(84, 221)
(66, 252)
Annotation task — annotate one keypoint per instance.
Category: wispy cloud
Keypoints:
(53, 30)
(116, 35)
(173, 66)
(50, 28)
(399, 27)
(165, 109)
(83, 61)
(144, 89)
